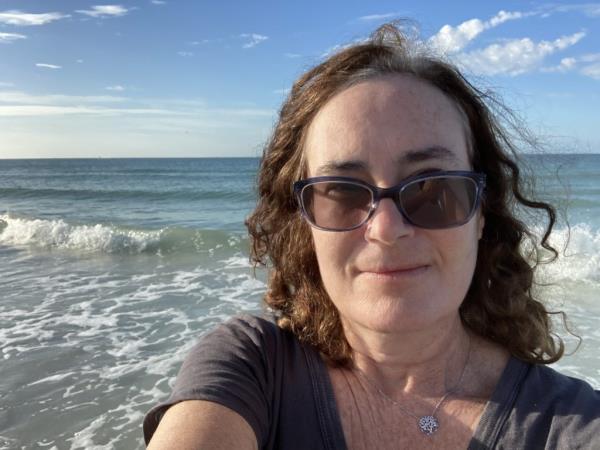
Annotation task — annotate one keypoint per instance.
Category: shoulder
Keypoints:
(551, 409)
(249, 325)
(244, 333)
(559, 393)
(243, 345)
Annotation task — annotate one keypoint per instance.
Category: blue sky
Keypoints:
(187, 78)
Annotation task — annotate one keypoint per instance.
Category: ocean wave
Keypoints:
(578, 246)
(579, 256)
(113, 239)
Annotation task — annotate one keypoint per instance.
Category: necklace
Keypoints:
(428, 424)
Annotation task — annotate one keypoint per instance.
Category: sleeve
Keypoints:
(571, 414)
(229, 366)
(551, 410)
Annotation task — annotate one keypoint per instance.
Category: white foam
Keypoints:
(8, 443)
(84, 439)
(47, 234)
(579, 259)
(52, 378)
(237, 261)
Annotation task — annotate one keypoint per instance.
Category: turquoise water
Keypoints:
(112, 268)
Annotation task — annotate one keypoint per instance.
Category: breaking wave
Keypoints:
(113, 239)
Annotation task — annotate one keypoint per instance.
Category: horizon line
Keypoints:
(231, 157)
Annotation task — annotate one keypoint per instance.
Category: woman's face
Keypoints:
(389, 275)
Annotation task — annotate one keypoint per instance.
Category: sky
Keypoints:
(175, 78)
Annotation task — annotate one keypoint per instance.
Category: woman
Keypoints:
(403, 300)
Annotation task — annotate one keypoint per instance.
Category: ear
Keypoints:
(480, 224)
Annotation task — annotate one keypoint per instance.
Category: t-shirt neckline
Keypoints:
(491, 422)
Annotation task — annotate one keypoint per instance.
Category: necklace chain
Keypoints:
(428, 424)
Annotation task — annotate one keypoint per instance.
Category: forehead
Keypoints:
(386, 124)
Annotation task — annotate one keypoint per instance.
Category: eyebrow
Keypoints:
(436, 152)
(342, 166)
(428, 153)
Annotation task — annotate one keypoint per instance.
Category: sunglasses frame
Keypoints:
(393, 193)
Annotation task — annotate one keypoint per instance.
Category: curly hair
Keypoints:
(499, 304)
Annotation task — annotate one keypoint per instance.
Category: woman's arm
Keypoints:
(199, 424)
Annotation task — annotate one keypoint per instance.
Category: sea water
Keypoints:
(110, 269)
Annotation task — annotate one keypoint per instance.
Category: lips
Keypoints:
(392, 266)
(384, 270)
(396, 271)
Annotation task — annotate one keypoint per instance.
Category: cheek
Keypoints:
(459, 251)
(334, 252)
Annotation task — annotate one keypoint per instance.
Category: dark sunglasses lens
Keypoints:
(442, 202)
(336, 205)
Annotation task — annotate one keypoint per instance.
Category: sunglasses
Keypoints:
(435, 201)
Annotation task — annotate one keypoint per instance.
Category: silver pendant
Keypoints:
(428, 425)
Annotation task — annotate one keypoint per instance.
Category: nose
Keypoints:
(387, 224)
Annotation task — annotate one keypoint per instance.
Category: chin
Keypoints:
(391, 314)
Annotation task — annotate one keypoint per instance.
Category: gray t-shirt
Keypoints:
(282, 388)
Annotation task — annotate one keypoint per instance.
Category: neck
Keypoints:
(427, 363)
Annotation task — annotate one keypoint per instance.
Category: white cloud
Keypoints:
(592, 10)
(158, 2)
(255, 39)
(587, 65)
(101, 11)
(185, 54)
(514, 56)
(79, 61)
(116, 87)
(45, 110)
(7, 38)
(338, 47)
(205, 41)
(16, 103)
(292, 55)
(509, 56)
(5, 84)
(15, 17)
(593, 71)
(590, 57)
(48, 66)
(22, 98)
(589, 9)
(504, 16)
(377, 17)
(285, 91)
(61, 125)
(451, 39)
(566, 65)
(21, 104)
(567, 41)
(244, 112)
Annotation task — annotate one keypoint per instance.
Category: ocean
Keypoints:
(112, 268)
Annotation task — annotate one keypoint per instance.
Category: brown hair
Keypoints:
(499, 305)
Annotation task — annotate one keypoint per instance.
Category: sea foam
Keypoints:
(47, 234)
(108, 238)
(579, 256)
